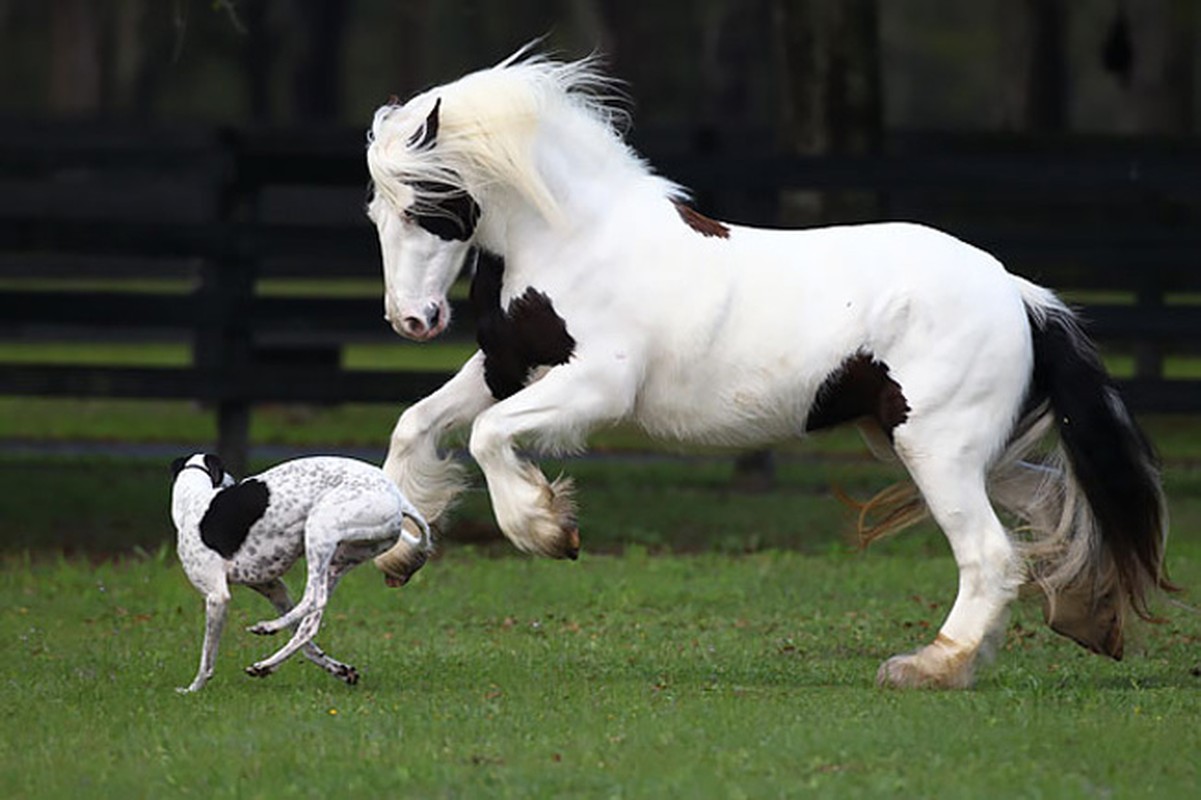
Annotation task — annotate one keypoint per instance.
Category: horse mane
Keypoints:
(487, 125)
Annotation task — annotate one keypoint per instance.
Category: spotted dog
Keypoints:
(337, 512)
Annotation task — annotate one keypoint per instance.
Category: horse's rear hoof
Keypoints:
(1093, 623)
(572, 549)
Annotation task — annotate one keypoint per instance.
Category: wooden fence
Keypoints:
(217, 211)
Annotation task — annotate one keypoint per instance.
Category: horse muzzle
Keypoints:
(423, 325)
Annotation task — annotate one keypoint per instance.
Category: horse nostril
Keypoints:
(435, 317)
(413, 326)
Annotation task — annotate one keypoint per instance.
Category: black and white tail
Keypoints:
(1094, 511)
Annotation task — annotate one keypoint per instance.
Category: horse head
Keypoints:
(425, 226)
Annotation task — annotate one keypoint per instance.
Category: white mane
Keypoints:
(488, 121)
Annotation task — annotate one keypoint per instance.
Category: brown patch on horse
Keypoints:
(700, 223)
(860, 387)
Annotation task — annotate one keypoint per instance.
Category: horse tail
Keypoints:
(1094, 510)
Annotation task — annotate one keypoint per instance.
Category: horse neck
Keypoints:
(591, 176)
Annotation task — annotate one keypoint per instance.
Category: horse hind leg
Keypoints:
(990, 573)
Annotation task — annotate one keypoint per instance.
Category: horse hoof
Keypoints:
(572, 549)
(936, 666)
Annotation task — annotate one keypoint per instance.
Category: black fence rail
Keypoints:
(195, 219)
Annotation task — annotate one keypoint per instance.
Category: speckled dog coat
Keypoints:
(337, 511)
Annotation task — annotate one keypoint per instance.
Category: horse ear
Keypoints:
(424, 138)
(216, 470)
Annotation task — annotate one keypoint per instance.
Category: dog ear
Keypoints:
(177, 466)
(216, 469)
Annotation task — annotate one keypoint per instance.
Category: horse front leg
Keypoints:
(430, 480)
(557, 411)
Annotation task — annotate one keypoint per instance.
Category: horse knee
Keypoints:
(411, 427)
(487, 437)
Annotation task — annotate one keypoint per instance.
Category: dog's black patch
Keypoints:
(444, 210)
(528, 334)
(860, 387)
(227, 521)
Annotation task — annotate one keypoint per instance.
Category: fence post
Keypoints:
(1148, 353)
(223, 345)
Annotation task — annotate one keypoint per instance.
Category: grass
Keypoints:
(709, 643)
(698, 676)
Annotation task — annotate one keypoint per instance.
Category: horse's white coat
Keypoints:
(696, 338)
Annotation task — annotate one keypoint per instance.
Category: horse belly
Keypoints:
(740, 407)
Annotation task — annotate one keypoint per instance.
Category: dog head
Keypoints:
(196, 478)
(205, 462)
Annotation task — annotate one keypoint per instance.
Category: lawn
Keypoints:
(710, 642)
(634, 676)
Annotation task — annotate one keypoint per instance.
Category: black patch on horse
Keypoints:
(860, 387)
(227, 521)
(444, 210)
(528, 334)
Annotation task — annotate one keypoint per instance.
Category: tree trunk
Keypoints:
(317, 80)
(75, 69)
(831, 95)
(1161, 87)
(1035, 91)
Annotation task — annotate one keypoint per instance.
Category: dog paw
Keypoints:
(263, 629)
(347, 674)
(258, 670)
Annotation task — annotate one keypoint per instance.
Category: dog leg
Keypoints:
(319, 551)
(276, 593)
(305, 632)
(216, 603)
(319, 557)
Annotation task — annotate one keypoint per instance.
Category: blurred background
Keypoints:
(185, 264)
(1096, 66)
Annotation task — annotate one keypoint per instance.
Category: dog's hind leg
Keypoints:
(276, 593)
(216, 603)
(304, 634)
(319, 553)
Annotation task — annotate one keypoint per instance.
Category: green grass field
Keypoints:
(711, 642)
(638, 676)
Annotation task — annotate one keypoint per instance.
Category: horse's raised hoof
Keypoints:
(258, 671)
(401, 563)
(941, 665)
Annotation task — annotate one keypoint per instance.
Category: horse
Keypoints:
(603, 297)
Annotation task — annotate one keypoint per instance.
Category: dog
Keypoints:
(337, 512)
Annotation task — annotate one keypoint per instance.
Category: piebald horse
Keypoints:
(603, 298)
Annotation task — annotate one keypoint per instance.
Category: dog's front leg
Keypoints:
(216, 603)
